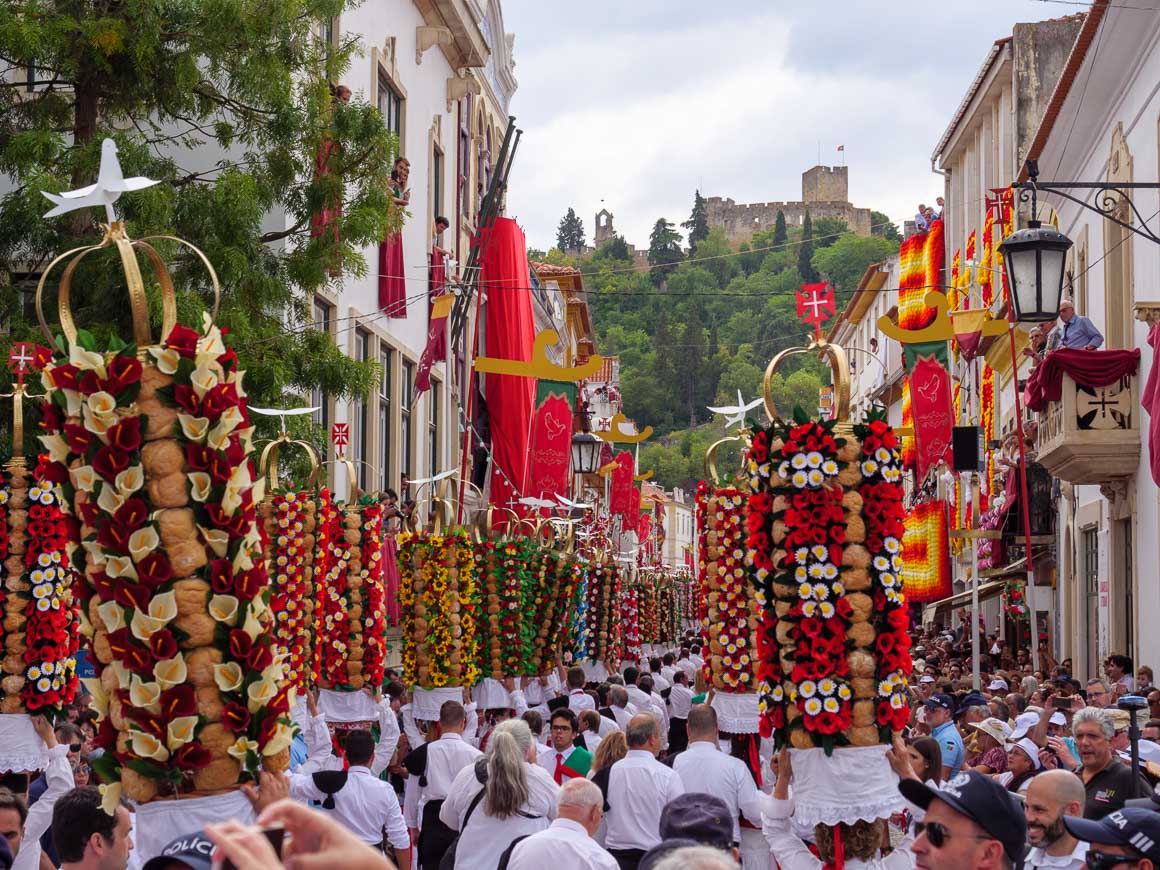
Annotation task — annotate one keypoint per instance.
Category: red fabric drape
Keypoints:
(550, 456)
(510, 334)
(436, 347)
(392, 283)
(1151, 402)
(1088, 368)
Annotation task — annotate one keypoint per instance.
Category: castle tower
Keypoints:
(826, 184)
(604, 230)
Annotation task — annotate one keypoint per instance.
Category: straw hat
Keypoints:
(994, 728)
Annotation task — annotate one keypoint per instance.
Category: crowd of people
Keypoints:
(1032, 769)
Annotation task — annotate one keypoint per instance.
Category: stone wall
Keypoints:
(826, 184)
(741, 220)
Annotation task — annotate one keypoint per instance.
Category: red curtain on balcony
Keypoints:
(1088, 368)
(510, 334)
(1150, 399)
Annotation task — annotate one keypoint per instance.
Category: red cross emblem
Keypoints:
(25, 357)
(815, 304)
(340, 435)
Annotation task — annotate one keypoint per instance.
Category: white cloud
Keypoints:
(639, 103)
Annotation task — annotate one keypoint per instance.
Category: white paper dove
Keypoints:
(111, 183)
(573, 505)
(736, 414)
(280, 412)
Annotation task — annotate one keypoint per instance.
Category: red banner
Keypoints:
(625, 498)
(930, 399)
(643, 527)
(550, 458)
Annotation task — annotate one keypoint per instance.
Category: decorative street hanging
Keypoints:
(815, 305)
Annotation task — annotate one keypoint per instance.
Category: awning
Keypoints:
(963, 599)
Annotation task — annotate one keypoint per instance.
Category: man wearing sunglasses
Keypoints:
(1127, 839)
(971, 823)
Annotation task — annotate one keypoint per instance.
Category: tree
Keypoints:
(248, 78)
(780, 236)
(615, 248)
(806, 252)
(826, 231)
(537, 255)
(845, 262)
(570, 232)
(691, 380)
(881, 225)
(664, 248)
(698, 222)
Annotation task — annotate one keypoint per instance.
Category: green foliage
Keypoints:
(173, 83)
(845, 261)
(664, 248)
(826, 231)
(709, 332)
(570, 232)
(615, 248)
(881, 225)
(806, 252)
(698, 223)
(779, 233)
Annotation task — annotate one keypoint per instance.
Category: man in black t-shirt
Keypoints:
(1107, 781)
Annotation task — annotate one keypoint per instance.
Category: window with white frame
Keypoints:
(406, 432)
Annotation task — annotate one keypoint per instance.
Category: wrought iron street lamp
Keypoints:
(1034, 261)
(585, 453)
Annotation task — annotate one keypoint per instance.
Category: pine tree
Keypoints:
(698, 222)
(780, 235)
(664, 249)
(690, 378)
(806, 252)
(173, 83)
(570, 233)
(664, 354)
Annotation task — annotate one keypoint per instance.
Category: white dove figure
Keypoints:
(573, 505)
(736, 414)
(276, 412)
(442, 475)
(111, 183)
(532, 501)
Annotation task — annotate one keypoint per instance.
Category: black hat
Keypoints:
(971, 699)
(941, 700)
(1131, 826)
(698, 816)
(980, 799)
(195, 851)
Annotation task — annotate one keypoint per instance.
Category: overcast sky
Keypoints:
(640, 102)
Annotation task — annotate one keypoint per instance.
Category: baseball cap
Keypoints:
(997, 685)
(1024, 724)
(195, 851)
(927, 678)
(1134, 827)
(1029, 749)
(1121, 719)
(1057, 719)
(941, 700)
(698, 816)
(980, 799)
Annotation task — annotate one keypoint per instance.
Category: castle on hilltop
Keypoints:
(825, 193)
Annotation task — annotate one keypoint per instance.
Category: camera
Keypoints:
(1132, 702)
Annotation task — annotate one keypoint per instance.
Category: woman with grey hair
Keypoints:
(1029, 686)
(504, 795)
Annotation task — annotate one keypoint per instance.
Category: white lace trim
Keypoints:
(736, 712)
(23, 750)
(854, 783)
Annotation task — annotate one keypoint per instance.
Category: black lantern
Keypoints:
(585, 453)
(1033, 259)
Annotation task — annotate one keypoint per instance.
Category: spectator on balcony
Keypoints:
(941, 203)
(921, 222)
(1075, 330)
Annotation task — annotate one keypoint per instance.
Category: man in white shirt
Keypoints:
(622, 710)
(668, 667)
(680, 702)
(564, 760)
(590, 723)
(363, 803)
(659, 681)
(436, 764)
(655, 704)
(636, 790)
(567, 843)
(1052, 795)
(703, 767)
(578, 699)
(695, 656)
(22, 826)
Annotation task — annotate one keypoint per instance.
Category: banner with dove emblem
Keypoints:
(550, 457)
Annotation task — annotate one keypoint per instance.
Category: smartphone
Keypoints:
(1061, 703)
(276, 834)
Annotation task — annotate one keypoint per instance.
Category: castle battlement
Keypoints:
(825, 193)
